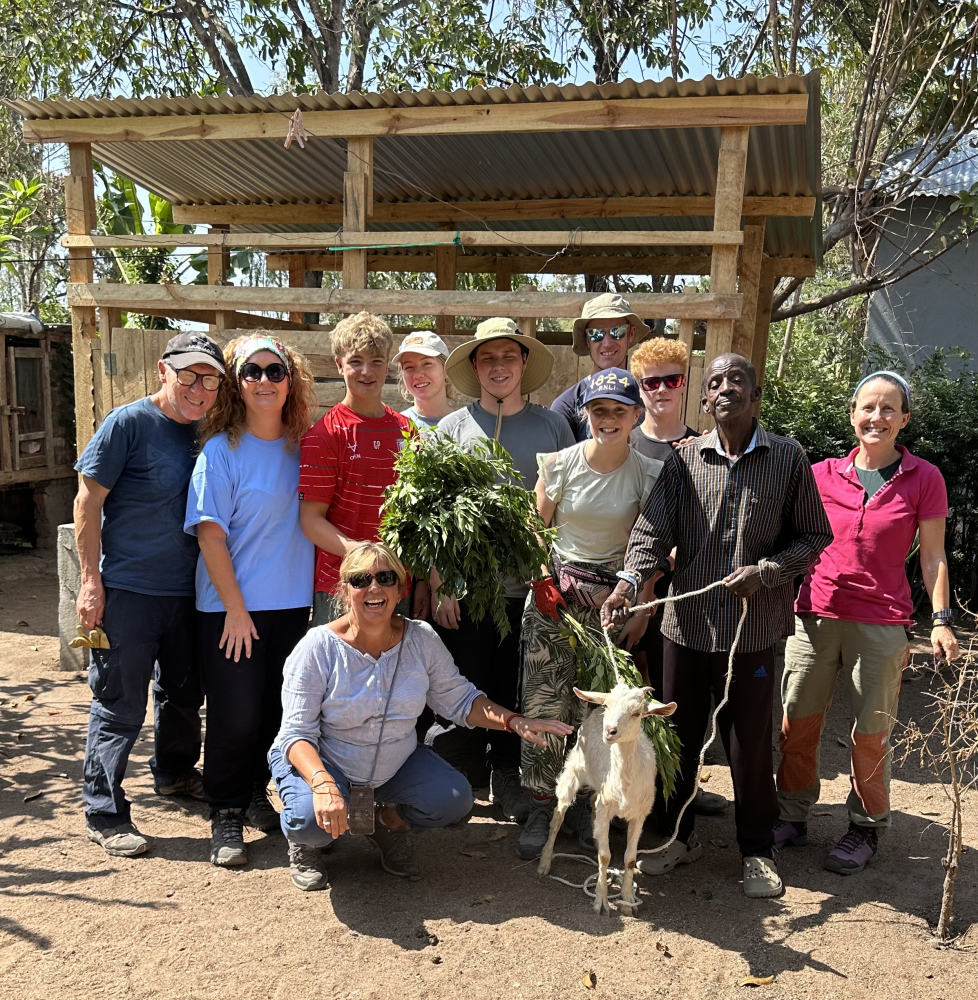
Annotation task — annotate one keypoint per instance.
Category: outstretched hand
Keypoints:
(532, 730)
(615, 610)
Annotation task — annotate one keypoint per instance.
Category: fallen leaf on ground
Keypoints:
(841, 741)
(33, 796)
(822, 812)
(55, 712)
(756, 981)
(31, 697)
(663, 949)
(930, 812)
(22, 622)
(589, 980)
(705, 777)
(718, 843)
(474, 854)
(481, 899)
(498, 834)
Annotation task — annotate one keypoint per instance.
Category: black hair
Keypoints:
(524, 350)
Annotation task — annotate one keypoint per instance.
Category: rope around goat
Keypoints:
(592, 879)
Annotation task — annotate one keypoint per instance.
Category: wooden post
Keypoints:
(46, 401)
(762, 320)
(728, 208)
(358, 196)
(297, 279)
(218, 265)
(446, 259)
(6, 457)
(109, 320)
(687, 330)
(750, 276)
(504, 274)
(81, 219)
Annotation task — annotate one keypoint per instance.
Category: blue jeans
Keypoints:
(152, 639)
(427, 791)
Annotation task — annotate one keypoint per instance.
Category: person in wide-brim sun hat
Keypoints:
(606, 307)
(539, 360)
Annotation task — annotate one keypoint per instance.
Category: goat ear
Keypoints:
(658, 709)
(597, 697)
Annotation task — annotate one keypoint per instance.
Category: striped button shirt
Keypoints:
(763, 510)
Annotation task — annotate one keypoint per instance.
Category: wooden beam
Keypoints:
(297, 279)
(218, 266)
(762, 319)
(524, 303)
(731, 169)
(446, 278)
(358, 187)
(472, 119)
(504, 273)
(530, 209)
(38, 474)
(751, 258)
(793, 267)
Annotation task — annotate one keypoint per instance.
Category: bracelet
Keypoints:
(944, 617)
(509, 718)
(937, 623)
(629, 577)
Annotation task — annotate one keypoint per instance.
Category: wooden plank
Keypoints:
(83, 332)
(152, 298)
(357, 239)
(297, 279)
(530, 209)
(46, 403)
(750, 274)
(36, 475)
(445, 281)
(695, 417)
(473, 119)
(504, 274)
(731, 168)
(129, 382)
(6, 456)
(109, 319)
(762, 320)
(563, 376)
(14, 418)
(360, 160)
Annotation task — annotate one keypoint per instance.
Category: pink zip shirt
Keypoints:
(861, 576)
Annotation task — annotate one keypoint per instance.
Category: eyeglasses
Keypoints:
(251, 372)
(360, 581)
(188, 378)
(653, 382)
(597, 334)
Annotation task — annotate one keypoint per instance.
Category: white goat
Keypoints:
(615, 758)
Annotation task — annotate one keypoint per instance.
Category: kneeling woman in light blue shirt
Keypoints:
(352, 695)
(254, 575)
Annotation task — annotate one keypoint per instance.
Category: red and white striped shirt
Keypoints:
(347, 461)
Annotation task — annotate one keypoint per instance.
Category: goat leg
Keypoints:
(631, 853)
(567, 786)
(602, 820)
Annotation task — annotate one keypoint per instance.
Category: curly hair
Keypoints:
(227, 415)
(659, 351)
(362, 332)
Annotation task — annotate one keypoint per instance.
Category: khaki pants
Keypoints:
(870, 659)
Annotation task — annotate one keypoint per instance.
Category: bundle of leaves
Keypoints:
(465, 514)
(597, 672)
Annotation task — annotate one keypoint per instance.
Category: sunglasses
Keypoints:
(653, 382)
(360, 581)
(188, 378)
(251, 372)
(597, 334)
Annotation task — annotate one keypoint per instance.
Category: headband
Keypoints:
(899, 379)
(252, 345)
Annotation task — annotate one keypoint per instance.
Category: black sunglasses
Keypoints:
(652, 382)
(360, 581)
(597, 333)
(251, 372)
(188, 378)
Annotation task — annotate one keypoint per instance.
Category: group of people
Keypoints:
(229, 549)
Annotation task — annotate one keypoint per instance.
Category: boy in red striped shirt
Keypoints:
(348, 456)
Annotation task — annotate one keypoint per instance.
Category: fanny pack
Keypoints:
(585, 585)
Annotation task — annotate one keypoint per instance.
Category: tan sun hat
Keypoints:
(421, 342)
(607, 306)
(539, 361)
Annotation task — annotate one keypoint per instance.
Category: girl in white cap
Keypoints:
(422, 356)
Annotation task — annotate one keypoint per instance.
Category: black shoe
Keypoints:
(506, 792)
(536, 830)
(307, 866)
(260, 813)
(396, 851)
(578, 822)
(709, 803)
(227, 838)
(187, 786)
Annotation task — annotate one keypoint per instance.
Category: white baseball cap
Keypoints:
(422, 342)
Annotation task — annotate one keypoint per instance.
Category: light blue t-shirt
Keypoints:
(424, 423)
(252, 492)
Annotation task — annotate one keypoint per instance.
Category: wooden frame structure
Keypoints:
(732, 251)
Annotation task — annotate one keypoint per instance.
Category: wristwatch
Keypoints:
(942, 618)
(629, 577)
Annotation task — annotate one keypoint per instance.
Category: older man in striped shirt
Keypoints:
(738, 505)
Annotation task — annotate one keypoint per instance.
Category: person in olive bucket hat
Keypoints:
(606, 330)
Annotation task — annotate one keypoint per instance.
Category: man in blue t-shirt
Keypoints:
(607, 330)
(137, 582)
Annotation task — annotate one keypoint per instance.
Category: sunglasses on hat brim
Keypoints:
(597, 333)
(652, 382)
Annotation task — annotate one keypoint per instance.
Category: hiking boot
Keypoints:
(396, 851)
(227, 838)
(790, 834)
(307, 866)
(122, 841)
(187, 786)
(260, 813)
(536, 831)
(677, 853)
(709, 803)
(761, 878)
(858, 848)
(506, 792)
(578, 822)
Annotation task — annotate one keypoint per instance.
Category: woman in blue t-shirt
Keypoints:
(254, 575)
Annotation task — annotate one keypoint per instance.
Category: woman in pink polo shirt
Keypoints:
(851, 617)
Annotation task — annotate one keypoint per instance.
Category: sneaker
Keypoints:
(187, 786)
(307, 866)
(677, 853)
(536, 831)
(761, 878)
(227, 838)
(858, 848)
(709, 803)
(790, 834)
(260, 813)
(506, 792)
(396, 851)
(578, 822)
(123, 841)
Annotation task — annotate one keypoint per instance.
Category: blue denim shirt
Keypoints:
(333, 696)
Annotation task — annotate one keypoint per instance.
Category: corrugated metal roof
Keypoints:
(782, 160)
(958, 171)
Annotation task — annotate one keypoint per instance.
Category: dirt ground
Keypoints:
(76, 923)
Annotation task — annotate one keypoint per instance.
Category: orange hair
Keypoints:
(659, 351)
